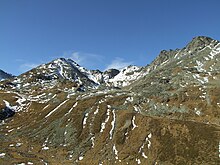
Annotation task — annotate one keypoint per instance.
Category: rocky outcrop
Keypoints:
(6, 113)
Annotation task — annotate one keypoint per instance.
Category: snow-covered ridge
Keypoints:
(127, 75)
(117, 78)
(69, 69)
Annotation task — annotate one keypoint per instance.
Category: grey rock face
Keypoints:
(111, 72)
(199, 42)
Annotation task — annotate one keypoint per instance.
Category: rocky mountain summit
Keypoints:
(164, 113)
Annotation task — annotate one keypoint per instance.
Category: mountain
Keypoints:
(4, 75)
(164, 113)
(75, 77)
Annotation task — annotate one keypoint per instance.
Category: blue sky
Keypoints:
(100, 34)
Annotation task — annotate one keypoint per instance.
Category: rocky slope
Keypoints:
(165, 113)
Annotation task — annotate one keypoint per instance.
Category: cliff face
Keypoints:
(166, 113)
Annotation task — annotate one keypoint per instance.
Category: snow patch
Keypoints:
(199, 67)
(85, 119)
(113, 124)
(96, 112)
(51, 112)
(2, 155)
(71, 108)
(127, 75)
(130, 99)
(136, 108)
(45, 148)
(197, 112)
(138, 161)
(219, 150)
(18, 144)
(145, 156)
(133, 124)
(115, 151)
(106, 120)
(93, 141)
(80, 158)
(7, 104)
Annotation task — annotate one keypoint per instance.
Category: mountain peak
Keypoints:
(61, 59)
(199, 42)
(66, 61)
(203, 38)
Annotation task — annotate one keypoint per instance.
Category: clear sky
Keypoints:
(99, 34)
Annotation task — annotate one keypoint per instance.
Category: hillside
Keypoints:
(164, 113)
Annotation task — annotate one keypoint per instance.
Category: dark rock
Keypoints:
(112, 72)
(6, 113)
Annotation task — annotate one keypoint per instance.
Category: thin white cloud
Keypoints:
(27, 66)
(78, 57)
(88, 60)
(118, 63)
